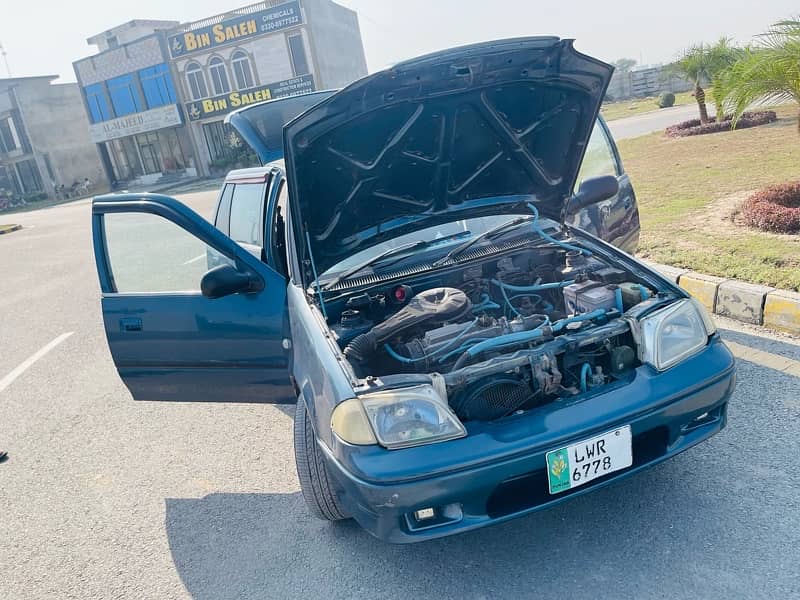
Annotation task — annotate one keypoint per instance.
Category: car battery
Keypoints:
(587, 296)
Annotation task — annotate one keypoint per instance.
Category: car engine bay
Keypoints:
(498, 336)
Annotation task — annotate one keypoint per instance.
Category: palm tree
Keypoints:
(623, 65)
(702, 63)
(766, 72)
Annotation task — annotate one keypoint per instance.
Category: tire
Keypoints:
(315, 482)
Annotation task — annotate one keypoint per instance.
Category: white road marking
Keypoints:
(195, 259)
(765, 359)
(28, 362)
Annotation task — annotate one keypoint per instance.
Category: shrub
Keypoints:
(775, 208)
(665, 100)
(694, 127)
(35, 196)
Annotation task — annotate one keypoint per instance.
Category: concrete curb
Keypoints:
(9, 228)
(746, 302)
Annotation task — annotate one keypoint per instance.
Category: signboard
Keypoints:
(236, 29)
(225, 103)
(149, 120)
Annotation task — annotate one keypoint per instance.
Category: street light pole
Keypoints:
(5, 60)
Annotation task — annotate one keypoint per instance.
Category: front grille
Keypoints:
(491, 399)
(530, 490)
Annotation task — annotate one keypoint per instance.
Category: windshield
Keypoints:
(469, 227)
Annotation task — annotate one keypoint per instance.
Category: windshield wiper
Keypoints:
(391, 252)
(486, 235)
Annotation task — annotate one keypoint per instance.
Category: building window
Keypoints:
(219, 76)
(216, 135)
(9, 186)
(157, 86)
(29, 176)
(150, 151)
(297, 50)
(9, 139)
(242, 71)
(124, 96)
(49, 166)
(97, 101)
(197, 81)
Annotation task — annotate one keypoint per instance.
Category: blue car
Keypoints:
(432, 264)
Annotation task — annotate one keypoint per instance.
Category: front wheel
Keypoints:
(315, 483)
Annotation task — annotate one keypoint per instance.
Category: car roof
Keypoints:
(254, 174)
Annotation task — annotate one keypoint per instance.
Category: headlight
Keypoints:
(675, 333)
(397, 418)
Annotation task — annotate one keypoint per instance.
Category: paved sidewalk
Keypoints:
(745, 302)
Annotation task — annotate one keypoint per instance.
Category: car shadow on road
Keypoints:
(267, 545)
(710, 523)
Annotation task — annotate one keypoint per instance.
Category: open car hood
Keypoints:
(457, 134)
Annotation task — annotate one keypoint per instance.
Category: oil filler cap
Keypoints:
(401, 294)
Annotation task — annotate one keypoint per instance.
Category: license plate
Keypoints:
(580, 463)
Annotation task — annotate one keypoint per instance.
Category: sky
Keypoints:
(45, 37)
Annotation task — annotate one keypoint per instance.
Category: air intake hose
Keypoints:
(436, 305)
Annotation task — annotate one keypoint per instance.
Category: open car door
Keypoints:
(176, 330)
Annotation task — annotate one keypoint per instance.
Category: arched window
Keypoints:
(219, 76)
(197, 81)
(242, 71)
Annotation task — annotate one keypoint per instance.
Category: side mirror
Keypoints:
(594, 190)
(225, 280)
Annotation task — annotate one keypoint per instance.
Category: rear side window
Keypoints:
(599, 158)
(224, 211)
(246, 221)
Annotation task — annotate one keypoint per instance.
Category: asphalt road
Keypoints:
(655, 120)
(103, 497)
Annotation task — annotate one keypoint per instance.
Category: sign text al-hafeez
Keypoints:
(233, 30)
(225, 103)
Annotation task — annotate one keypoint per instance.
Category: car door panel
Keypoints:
(180, 345)
(223, 349)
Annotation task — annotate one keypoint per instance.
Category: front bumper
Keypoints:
(499, 473)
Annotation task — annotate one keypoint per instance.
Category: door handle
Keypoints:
(132, 324)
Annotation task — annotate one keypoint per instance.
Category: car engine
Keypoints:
(506, 335)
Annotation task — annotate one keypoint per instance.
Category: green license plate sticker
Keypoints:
(589, 459)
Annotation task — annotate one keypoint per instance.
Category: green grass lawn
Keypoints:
(688, 191)
(627, 108)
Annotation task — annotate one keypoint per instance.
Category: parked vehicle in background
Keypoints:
(433, 274)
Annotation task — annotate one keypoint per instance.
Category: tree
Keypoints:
(701, 64)
(624, 64)
(766, 72)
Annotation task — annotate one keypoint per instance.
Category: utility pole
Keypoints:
(5, 60)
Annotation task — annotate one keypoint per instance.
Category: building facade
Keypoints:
(256, 53)
(133, 105)
(645, 81)
(157, 94)
(44, 139)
